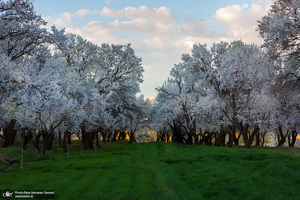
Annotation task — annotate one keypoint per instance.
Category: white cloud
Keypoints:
(129, 12)
(199, 28)
(64, 20)
(240, 21)
(81, 13)
(154, 21)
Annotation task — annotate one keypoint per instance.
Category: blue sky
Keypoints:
(197, 8)
(160, 31)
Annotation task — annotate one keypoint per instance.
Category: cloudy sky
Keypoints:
(160, 31)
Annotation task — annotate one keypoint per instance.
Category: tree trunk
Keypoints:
(13, 137)
(69, 138)
(236, 138)
(281, 137)
(78, 135)
(87, 138)
(122, 134)
(36, 141)
(231, 138)
(158, 138)
(196, 139)
(220, 138)
(257, 139)
(263, 139)
(110, 133)
(244, 132)
(207, 138)
(168, 136)
(59, 139)
(189, 139)
(114, 136)
(131, 137)
(193, 132)
(47, 142)
(177, 136)
(9, 134)
(247, 135)
(292, 138)
(65, 142)
(162, 135)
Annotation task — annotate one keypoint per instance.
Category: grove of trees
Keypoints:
(53, 85)
(236, 89)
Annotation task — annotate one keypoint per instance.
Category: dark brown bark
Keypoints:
(292, 137)
(220, 138)
(25, 137)
(65, 145)
(177, 131)
(47, 142)
(13, 137)
(192, 132)
(9, 134)
(248, 136)
(231, 134)
(201, 137)
(257, 139)
(158, 135)
(197, 139)
(69, 135)
(189, 139)
(87, 138)
(109, 135)
(244, 132)
(207, 138)
(122, 135)
(59, 139)
(162, 135)
(281, 137)
(67, 138)
(236, 137)
(168, 136)
(65, 141)
(263, 136)
(114, 136)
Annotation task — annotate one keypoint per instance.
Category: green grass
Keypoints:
(157, 171)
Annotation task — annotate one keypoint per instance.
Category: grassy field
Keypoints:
(157, 171)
